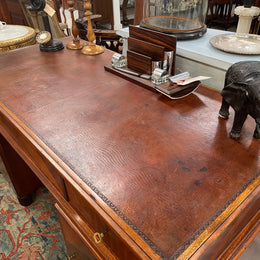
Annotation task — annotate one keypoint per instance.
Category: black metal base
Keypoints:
(191, 35)
(52, 45)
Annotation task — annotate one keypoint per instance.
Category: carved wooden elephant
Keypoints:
(242, 92)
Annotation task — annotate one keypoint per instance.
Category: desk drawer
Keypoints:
(76, 248)
(111, 239)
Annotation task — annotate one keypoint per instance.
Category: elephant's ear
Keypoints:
(235, 94)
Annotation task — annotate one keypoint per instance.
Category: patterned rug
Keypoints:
(28, 233)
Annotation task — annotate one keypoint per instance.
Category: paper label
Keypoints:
(190, 80)
(49, 10)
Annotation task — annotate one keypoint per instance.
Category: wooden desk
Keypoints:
(159, 178)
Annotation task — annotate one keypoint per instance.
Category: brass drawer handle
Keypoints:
(98, 237)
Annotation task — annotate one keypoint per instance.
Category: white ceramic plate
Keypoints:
(10, 32)
(237, 43)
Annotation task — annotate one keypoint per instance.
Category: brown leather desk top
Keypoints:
(166, 167)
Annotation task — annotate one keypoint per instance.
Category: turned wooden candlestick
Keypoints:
(75, 44)
(91, 48)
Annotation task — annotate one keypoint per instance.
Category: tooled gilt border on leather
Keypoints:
(128, 222)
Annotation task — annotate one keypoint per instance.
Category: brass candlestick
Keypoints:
(75, 44)
(91, 48)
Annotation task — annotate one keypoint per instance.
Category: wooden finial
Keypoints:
(91, 48)
(75, 44)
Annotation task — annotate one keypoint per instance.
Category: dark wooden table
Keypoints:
(159, 178)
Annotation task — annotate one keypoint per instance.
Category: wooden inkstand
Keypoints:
(147, 48)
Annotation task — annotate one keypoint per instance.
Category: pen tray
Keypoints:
(180, 92)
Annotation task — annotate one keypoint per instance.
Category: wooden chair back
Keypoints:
(220, 13)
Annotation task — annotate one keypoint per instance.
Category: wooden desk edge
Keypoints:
(210, 241)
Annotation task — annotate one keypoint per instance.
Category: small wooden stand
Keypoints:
(91, 48)
(145, 46)
(75, 44)
(179, 92)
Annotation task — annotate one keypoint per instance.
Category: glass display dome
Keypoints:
(183, 18)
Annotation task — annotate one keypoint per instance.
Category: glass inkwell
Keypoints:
(182, 18)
